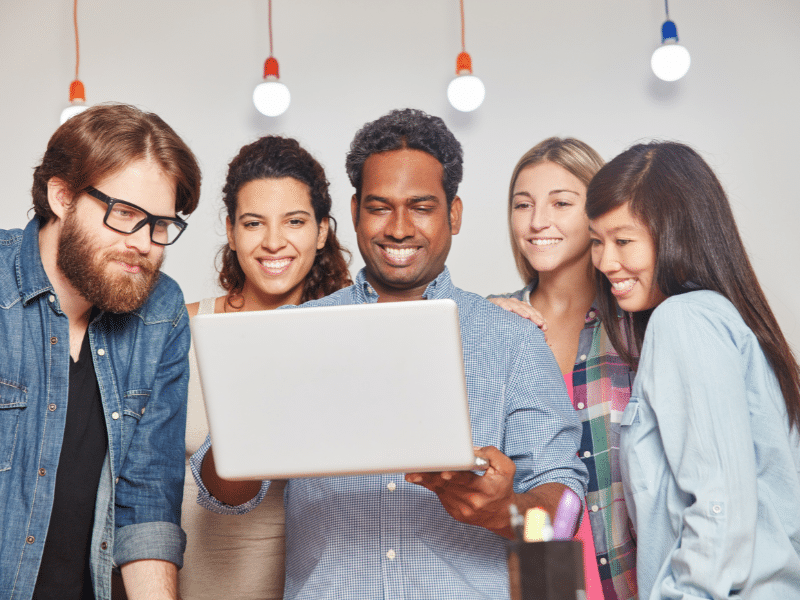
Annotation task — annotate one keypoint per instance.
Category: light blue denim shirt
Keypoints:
(381, 537)
(710, 466)
(142, 370)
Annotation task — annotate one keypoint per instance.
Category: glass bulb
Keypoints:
(670, 62)
(271, 98)
(71, 111)
(466, 93)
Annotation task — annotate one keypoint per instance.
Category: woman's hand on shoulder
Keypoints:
(523, 309)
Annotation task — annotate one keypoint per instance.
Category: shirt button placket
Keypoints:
(390, 538)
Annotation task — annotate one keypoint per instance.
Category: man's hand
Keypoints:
(476, 499)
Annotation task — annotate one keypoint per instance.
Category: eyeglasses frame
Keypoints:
(150, 220)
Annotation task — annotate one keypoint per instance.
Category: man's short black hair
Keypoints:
(413, 129)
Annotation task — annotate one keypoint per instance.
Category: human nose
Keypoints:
(400, 225)
(540, 217)
(273, 239)
(140, 240)
(605, 259)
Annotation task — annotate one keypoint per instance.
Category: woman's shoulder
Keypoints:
(699, 307)
(203, 307)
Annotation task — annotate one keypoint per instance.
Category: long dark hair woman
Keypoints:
(709, 440)
(281, 249)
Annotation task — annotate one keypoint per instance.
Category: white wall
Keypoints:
(573, 67)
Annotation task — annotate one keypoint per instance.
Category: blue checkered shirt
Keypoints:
(378, 536)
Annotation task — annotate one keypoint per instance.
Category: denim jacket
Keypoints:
(142, 371)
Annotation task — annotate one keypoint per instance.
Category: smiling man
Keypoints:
(94, 368)
(425, 535)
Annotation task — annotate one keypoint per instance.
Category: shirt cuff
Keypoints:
(159, 540)
(204, 497)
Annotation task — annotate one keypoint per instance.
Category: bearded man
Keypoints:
(94, 368)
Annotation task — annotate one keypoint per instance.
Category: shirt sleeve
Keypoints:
(695, 383)
(204, 497)
(150, 484)
(542, 430)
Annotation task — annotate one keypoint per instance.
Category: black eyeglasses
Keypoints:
(126, 217)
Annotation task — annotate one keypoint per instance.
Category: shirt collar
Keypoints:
(441, 287)
(31, 277)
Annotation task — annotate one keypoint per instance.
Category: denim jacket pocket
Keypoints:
(13, 400)
(134, 406)
(633, 476)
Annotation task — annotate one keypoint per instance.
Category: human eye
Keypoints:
(595, 241)
(126, 213)
(376, 209)
(297, 222)
(522, 205)
(562, 204)
(251, 224)
(623, 241)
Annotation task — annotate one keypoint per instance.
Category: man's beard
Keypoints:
(86, 268)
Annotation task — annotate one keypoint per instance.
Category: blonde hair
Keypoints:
(575, 156)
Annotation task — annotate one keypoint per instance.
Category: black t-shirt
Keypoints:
(64, 573)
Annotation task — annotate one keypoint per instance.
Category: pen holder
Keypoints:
(546, 570)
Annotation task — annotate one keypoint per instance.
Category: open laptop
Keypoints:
(342, 390)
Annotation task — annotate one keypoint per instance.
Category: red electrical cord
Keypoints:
(270, 26)
(77, 43)
(463, 47)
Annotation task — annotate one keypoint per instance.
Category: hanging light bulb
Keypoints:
(271, 97)
(466, 92)
(77, 95)
(670, 61)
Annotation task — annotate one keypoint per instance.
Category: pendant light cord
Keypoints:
(77, 42)
(666, 8)
(463, 46)
(269, 17)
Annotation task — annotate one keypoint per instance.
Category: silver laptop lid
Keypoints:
(374, 388)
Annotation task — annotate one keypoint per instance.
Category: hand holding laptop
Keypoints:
(472, 498)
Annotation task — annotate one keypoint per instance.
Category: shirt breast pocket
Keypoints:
(13, 400)
(631, 430)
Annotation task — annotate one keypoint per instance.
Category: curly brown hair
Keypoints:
(273, 157)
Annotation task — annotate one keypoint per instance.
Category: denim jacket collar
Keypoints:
(31, 277)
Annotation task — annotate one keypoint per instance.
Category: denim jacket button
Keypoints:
(30, 539)
(54, 340)
(101, 352)
(115, 415)
(51, 407)
(103, 545)
(42, 472)
(51, 298)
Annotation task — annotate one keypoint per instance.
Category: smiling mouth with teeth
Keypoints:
(619, 288)
(545, 241)
(276, 265)
(399, 253)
